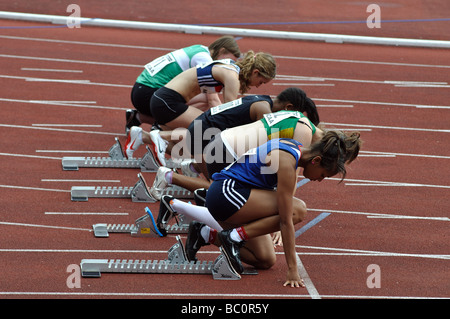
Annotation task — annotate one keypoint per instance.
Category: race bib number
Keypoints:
(274, 118)
(159, 63)
(226, 106)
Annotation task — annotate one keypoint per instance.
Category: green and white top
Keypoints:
(163, 69)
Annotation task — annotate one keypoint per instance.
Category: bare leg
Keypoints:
(145, 118)
(190, 183)
(260, 217)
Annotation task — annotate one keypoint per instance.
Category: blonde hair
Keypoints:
(263, 62)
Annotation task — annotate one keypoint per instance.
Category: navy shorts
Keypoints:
(226, 197)
(217, 156)
(166, 105)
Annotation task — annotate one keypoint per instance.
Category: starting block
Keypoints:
(138, 193)
(144, 226)
(176, 263)
(116, 159)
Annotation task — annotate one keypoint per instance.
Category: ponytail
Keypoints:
(332, 149)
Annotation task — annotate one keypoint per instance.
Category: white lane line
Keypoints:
(51, 70)
(364, 62)
(340, 251)
(166, 295)
(187, 295)
(36, 188)
(383, 183)
(87, 82)
(54, 80)
(59, 129)
(64, 104)
(389, 127)
(334, 105)
(53, 251)
(380, 215)
(68, 125)
(82, 180)
(385, 63)
(87, 213)
(70, 61)
(375, 155)
(307, 280)
(367, 182)
(87, 43)
(30, 156)
(303, 84)
(72, 151)
(367, 153)
(384, 103)
(42, 226)
(395, 83)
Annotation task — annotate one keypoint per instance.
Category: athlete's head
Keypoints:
(328, 156)
(225, 47)
(256, 69)
(295, 99)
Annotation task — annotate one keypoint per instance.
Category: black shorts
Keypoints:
(140, 97)
(226, 197)
(166, 105)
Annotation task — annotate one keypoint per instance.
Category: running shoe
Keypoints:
(185, 168)
(133, 142)
(160, 183)
(200, 196)
(131, 120)
(159, 146)
(194, 240)
(231, 250)
(166, 213)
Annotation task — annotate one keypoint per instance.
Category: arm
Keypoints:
(230, 81)
(302, 134)
(258, 109)
(213, 99)
(287, 179)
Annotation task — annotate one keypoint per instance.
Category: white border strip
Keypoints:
(193, 29)
(192, 295)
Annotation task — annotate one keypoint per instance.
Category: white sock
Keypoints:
(198, 213)
(205, 233)
(234, 235)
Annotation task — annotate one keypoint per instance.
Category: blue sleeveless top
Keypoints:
(205, 78)
(250, 169)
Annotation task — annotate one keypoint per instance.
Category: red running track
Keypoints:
(392, 210)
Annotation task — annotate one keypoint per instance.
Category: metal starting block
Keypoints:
(176, 263)
(116, 159)
(138, 193)
(144, 226)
